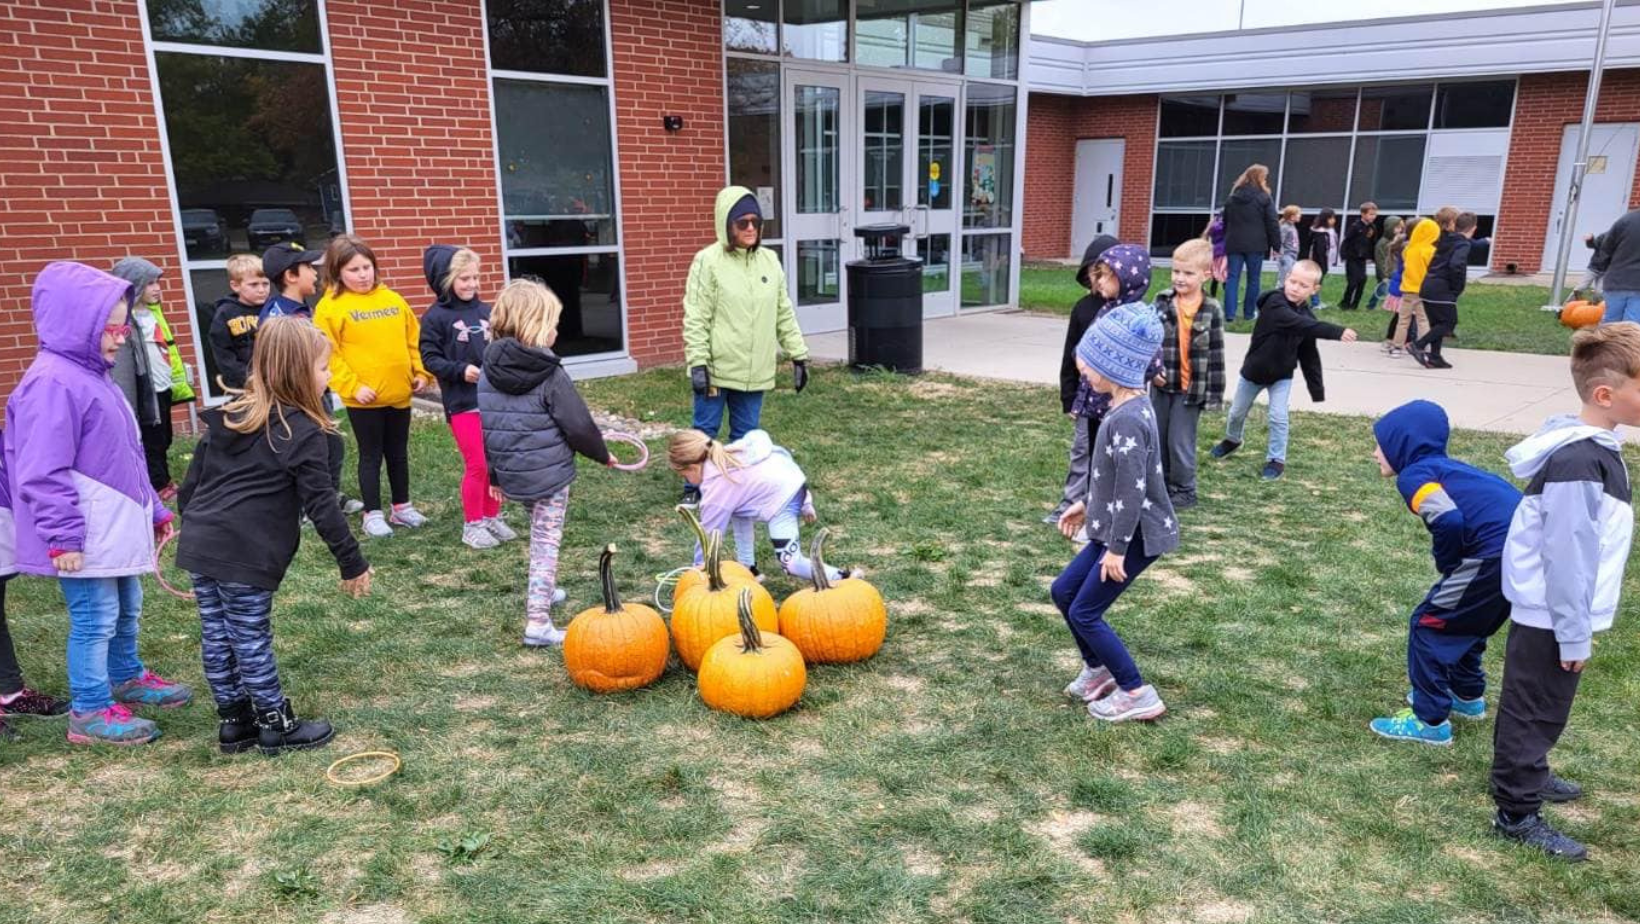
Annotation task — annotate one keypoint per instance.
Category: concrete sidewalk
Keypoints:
(1502, 392)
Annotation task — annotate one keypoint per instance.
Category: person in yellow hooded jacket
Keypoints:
(375, 366)
(736, 315)
(1415, 259)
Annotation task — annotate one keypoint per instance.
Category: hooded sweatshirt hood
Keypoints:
(72, 302)
(1528, 456)
(1131, 264)
(1091, 256)
(726, 201)
(516, 369)
(435, 264)
(752, 448)
(1411, 433)
(137, 271)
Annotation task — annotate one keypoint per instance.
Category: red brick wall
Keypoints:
(1054, 125)
(1544, 105)
(668, 179)
(415, 112)
(81, 174)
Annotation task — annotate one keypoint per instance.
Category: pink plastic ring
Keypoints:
(159, 570)
(629, 439)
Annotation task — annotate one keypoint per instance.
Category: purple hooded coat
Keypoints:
(8, 526)
(74, 459)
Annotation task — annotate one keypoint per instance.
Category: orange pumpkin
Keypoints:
(1582, 313)
(616, 646)
(834, 623)
(733, 571)
(707, 613)
(755, 674)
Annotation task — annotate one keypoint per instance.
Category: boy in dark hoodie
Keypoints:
(1070, 381)
(1283, 339)
(1563, 571)
(1467, 513)
(1357, 250)
(233, 325)
(1323, 248)
(1448, 271)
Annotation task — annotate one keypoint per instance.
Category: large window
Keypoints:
(244, 91)
(979, 38)
(989, 202)
(556, 159)
(908, 33)
(754, 135)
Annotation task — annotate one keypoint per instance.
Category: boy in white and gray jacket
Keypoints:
(1562, 571)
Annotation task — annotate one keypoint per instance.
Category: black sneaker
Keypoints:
(1273, 470)
(1224, 448)
(236, 729)
(1436, 362)
(691, 496)
(279, 730)
(33, 703)
(1182, 501)
(1418, 354)
(1533, 831)
(1559, 790)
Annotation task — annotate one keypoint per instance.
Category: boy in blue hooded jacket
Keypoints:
(1467, 512)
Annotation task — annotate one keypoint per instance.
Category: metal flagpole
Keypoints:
(1569, 223)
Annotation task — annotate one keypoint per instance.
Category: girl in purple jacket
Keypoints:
(85, 511)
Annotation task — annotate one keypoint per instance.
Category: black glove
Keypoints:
(699, 380)
(800, 374)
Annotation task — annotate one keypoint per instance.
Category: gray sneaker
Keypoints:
(475, 536)
(1141, 705)
(350, 505)
(375, 525)
(1093, 683)
(543, 635)
(406, 515)
(114, 725)
(499, 529)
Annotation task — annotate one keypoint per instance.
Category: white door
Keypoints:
(819, 178)
(1606, 185)
(1097, 205)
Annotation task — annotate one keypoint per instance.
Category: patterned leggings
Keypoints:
(236, 640)
(546, 534)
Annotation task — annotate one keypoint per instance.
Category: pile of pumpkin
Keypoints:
(750, 657)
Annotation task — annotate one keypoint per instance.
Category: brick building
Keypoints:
(1478, 110)
(579, 141)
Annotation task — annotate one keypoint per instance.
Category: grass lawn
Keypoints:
(945, 780)
(1490, 317)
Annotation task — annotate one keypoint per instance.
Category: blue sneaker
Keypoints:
(1406, 726)
(1472, 709)
(152, 690)
(114, 725)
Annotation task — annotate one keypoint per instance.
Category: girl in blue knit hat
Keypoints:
(1129, 520)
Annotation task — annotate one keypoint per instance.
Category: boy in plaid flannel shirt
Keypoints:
(1192, 375)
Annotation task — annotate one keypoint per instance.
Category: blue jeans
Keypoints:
(236, 642)
(1246, 393)
(1234, 264)
(1083, 597)
(1622, 306)
(103, 616)
(745, 411)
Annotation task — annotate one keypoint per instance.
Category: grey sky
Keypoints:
(1093, 20)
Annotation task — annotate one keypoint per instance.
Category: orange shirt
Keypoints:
(1187, 317)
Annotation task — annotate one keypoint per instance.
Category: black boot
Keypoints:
(236, 728)
(282, 731)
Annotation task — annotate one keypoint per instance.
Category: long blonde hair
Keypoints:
(287, 350)
(689, 447)
(1257, 174)
(526, 311)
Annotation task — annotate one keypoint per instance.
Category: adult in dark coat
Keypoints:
(1251, 233)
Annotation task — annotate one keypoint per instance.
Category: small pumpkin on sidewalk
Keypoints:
(834, 623)
(617, 646)
(754, 674)
(707, 613)
(733, 571)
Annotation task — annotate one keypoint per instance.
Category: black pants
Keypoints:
(1443, 320)
(156, 444)
(1532, 712)
(1355, 274)
(382, 432)
(11, 676)
(338, 456)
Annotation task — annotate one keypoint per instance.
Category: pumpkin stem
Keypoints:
(606, 575)
(693, 519)
(751, 638)
(714, 561)
(818, 564)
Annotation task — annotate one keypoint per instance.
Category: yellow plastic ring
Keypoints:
(330, 772)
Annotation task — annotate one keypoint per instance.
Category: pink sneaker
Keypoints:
(153, 690)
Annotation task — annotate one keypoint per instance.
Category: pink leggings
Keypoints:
(476, 502)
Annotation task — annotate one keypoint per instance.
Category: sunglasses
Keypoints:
(749, 223)
(117, 330)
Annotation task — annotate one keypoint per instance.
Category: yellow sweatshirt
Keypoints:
(374, 342)
(1415, 257)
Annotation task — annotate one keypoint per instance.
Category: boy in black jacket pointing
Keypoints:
(1442, 285)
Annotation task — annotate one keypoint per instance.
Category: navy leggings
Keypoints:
(1083, 598)
(236, 640)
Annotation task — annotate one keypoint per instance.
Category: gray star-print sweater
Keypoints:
(1126, 493)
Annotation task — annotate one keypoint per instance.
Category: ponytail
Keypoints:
(689, 447)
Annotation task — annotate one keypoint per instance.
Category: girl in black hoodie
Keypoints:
(454, 334)
(264, 461)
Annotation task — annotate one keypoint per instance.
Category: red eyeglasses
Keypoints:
(117, 330)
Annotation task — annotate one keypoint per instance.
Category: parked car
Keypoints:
(204, 232)
(273, 226)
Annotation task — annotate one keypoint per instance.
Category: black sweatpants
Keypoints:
(1355, 274)
(382, 432)
(156, 444)
(338, 456)
(11, 676)
(1443, 320)
(1532, 712)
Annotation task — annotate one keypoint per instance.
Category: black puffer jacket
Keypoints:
(1250, 224)
(534, 421)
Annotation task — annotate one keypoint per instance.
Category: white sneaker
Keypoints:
(407, 515)
(543, 636)
(375, 525)
(475, 536)
(1091, 684)
(558, 595)
(499, 529)
(1141, 705)
(350, 505)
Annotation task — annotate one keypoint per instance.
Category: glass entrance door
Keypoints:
(819, 177)
(906, 155)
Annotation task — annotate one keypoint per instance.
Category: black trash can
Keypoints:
(885, 303)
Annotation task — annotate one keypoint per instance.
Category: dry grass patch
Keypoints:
(368, 914)
(1061, 830)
